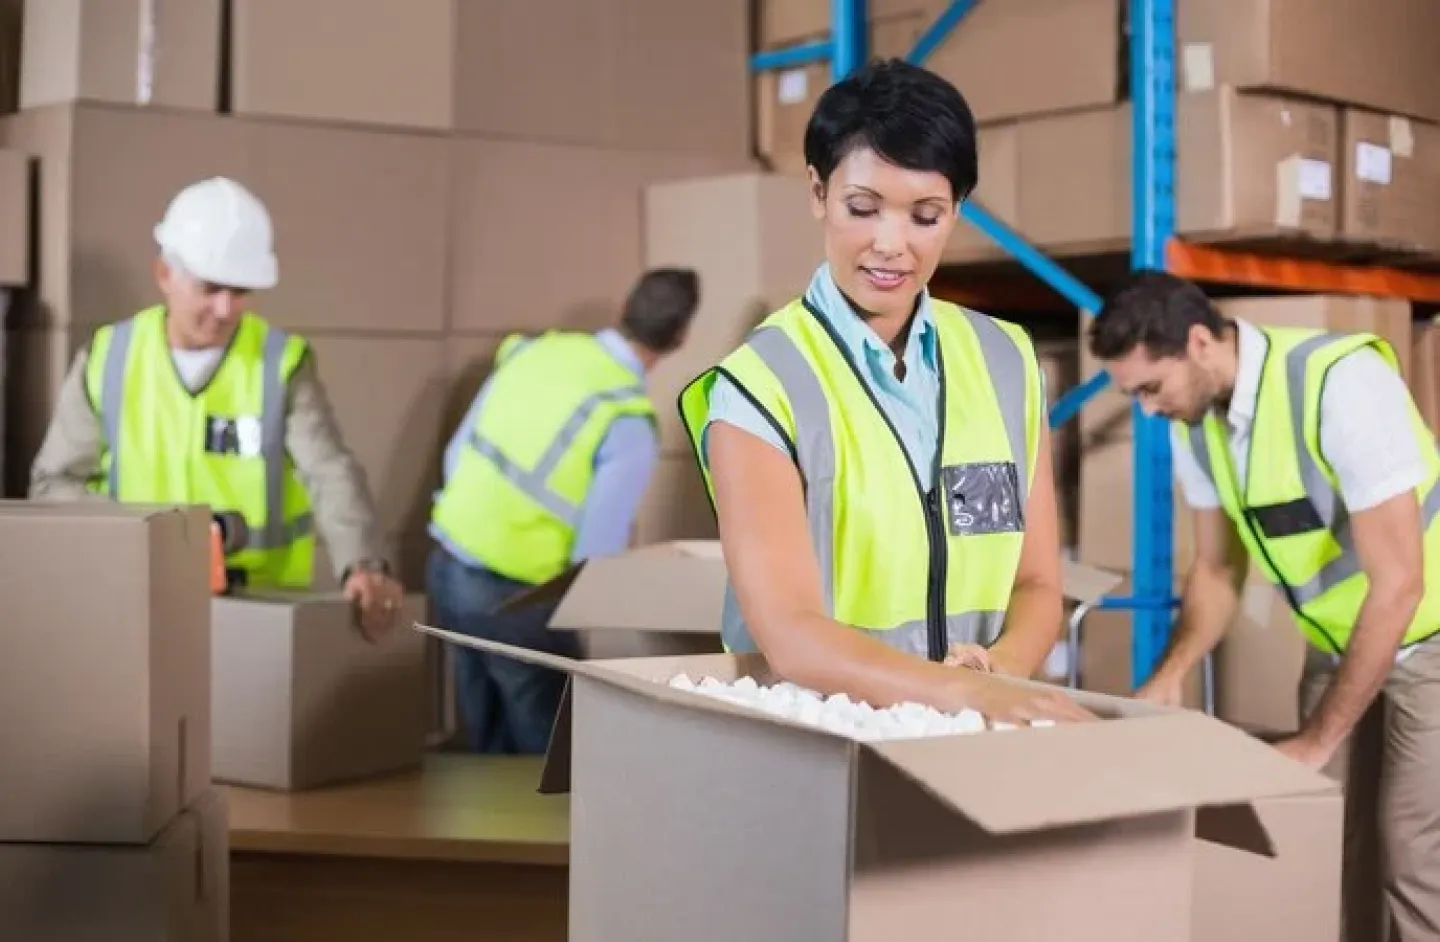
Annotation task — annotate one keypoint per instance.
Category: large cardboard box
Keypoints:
(1391, 178)
(175, 889)
(136, 52)
(998, 191)
(647, 74)
(16, 207)
(106, 675)
(782, 23)
(1248, 167)
(1372, 53)
(1291, 894)
(302, 699)
(690, 798)
(507, 202)
(1259, 663)
(676, 505)
(755, 246)
(360, 216)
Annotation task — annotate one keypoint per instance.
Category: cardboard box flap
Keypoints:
(676, 587)
(1086, 584)
(1031, 779)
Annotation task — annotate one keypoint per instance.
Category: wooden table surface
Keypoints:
(464, 848)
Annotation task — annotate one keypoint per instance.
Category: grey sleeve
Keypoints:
(69, 457)
(339, 492)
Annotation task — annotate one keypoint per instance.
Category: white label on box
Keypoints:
(792, 88)
(1402, 139)
(1314, 179)
(1372, 163)
(1198, 66)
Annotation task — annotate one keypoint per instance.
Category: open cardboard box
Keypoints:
(662, 599)
(668, 598)
(694, 818)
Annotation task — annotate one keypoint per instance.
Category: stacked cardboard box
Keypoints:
(1280, 137)
(419, 214)
(109, 825)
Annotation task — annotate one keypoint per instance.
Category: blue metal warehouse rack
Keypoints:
(1153, 209)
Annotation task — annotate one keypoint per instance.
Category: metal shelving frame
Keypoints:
(1152, 56)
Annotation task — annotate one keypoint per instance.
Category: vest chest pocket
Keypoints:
(239, 436)
(1291, 518)
(982, 497)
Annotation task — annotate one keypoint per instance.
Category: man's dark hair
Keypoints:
(907, 115)
(660, 308)
(1155, 310)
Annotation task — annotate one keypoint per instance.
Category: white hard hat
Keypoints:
(220, 232)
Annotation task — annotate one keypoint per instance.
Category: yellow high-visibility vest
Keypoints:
(920, 569)
(223, 446)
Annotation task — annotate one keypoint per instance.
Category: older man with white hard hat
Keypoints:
(199, 400)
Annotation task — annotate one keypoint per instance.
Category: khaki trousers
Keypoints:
(1390, 767)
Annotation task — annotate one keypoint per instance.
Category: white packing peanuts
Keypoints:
(699, 819)
(303, 699)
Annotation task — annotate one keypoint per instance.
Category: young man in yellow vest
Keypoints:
(547, 469)
(1305, 449)
(199, 400)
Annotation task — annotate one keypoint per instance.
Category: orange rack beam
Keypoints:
(1207, 263)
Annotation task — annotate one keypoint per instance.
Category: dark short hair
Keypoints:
(1155, 310)
(660, 308)
(907, 115)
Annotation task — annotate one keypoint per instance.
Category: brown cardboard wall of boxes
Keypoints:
(422, 207)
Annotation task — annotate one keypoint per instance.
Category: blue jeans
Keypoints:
(506, 706)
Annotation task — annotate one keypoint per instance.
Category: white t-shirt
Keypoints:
(196, 366)
(1365, 431)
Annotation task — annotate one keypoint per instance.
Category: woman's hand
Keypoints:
(973, 656)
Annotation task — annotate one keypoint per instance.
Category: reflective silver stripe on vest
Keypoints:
(534, 483)
(815, 452)
(277, 532)
(1325, 499)
(1006, 367)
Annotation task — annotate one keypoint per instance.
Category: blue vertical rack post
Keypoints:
(1152, 56)
(1152, 71)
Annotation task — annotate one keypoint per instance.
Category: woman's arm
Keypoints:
(761, 509)
(1036, 613)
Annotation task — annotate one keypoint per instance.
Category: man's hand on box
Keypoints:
(378, 597)
(973, 656)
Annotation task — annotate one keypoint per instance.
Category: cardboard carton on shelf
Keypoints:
(733, 823)
(106, 674)
(174, 889)
(302, 699)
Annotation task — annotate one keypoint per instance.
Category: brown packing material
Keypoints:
(1329, 50)
(1391, 181)
(642, 74)
(302, 699)
(107, 614)
(360, 216)
(755, 246)
(16, 207)
(136, 52)
(902, 837)
(511, 197)
(176, 889)
(1247, 167)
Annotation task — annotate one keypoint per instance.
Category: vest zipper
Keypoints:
(930, 504)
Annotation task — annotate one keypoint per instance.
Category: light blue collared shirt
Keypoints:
(623, 465)
(910, 403)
